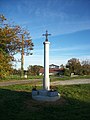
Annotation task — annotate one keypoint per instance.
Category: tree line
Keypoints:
(73, 66)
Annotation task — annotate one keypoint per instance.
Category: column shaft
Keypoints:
(46, 80)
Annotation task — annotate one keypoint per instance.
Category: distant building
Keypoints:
(53, 70)
(54, 66)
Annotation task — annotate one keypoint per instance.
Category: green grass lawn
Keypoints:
(16, 104)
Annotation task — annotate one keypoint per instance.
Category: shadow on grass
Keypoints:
(18, 105)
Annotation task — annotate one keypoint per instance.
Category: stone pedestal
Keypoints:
(35, 92)
(44, 95)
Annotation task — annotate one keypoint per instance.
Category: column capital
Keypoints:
(46, 42)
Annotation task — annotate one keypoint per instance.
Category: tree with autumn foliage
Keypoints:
(34, 70)
(5, 65)
(74, 66)
(11, 42)
(86, 67)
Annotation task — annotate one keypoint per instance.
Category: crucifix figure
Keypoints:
(46, 35)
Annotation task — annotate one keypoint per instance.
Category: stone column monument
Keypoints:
(46, 80)
(46, 94)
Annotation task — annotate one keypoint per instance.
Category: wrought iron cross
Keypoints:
(46, 35)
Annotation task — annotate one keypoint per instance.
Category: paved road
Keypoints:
(14, 82)
(72, 82)
(36, 81)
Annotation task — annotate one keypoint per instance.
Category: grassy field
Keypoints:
(52, 78)
(16, 104)
(17, 77)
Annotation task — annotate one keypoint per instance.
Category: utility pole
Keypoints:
(22, 57)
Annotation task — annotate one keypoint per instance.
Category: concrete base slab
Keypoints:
(46, 98)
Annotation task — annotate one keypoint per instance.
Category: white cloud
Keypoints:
(80, 47)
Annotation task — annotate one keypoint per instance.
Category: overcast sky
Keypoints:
(67, 20)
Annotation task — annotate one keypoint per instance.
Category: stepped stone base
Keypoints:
(44, 95)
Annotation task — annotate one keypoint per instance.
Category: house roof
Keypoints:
(53, 65)
(51, 70)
